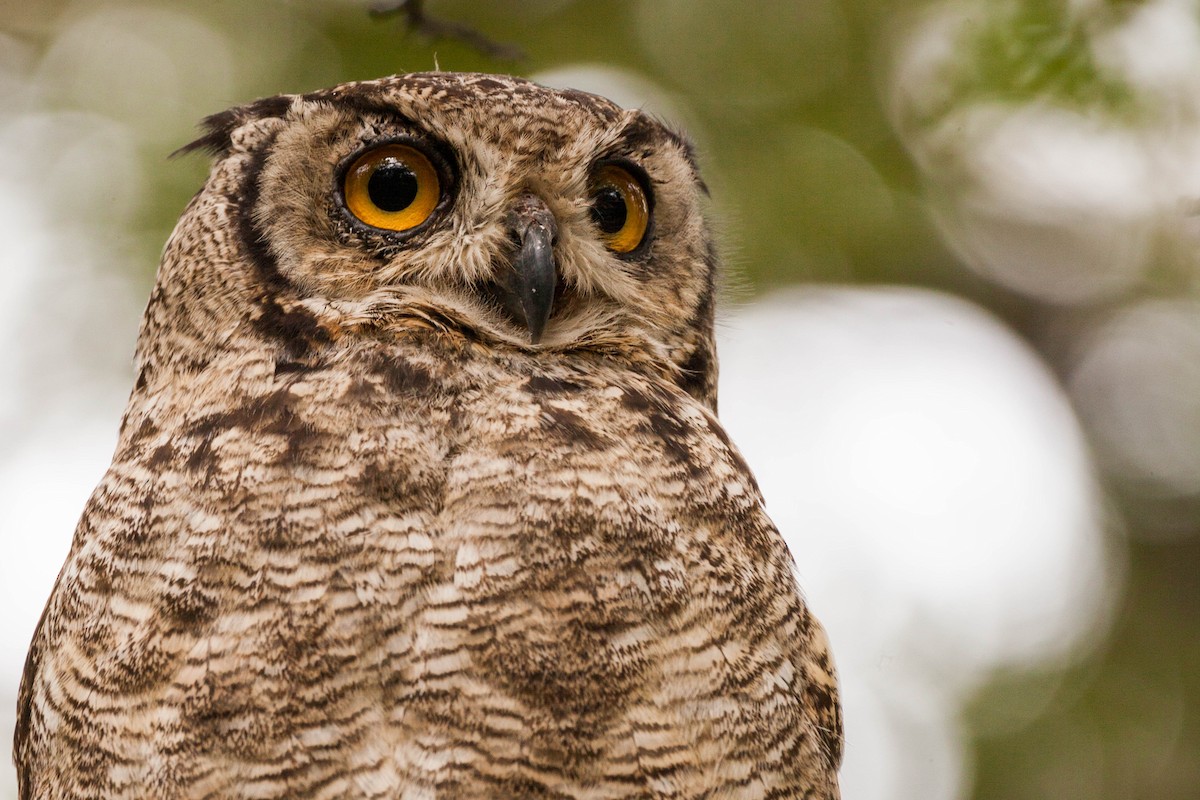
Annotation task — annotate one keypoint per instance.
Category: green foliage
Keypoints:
(1119, 725)
(1023, 52)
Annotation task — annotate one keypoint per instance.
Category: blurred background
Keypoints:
(960, 341)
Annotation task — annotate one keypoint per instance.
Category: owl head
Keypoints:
(476, 207)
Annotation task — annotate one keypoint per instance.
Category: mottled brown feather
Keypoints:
(360, 539)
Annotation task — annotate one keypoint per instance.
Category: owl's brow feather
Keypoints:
(219, 128)
(644, 130)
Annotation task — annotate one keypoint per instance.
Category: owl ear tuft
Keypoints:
(218, 128)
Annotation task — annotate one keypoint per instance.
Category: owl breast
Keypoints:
(472, 577)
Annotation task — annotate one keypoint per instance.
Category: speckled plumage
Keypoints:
(362, 539)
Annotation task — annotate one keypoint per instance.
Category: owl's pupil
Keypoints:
(392, 187)
(608, 209)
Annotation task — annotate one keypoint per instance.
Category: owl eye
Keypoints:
(393, 187)
(620, 208)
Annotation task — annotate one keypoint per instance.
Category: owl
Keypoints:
(421, 491)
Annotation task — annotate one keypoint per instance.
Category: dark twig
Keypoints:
(413, 12)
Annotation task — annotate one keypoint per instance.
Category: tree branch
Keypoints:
(413, 12)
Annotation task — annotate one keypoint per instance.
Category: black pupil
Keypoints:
(608, 210)
(392, 187)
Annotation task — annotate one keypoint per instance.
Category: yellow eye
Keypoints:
(620, 208)
(393, 187)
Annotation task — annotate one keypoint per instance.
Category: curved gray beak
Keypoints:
(530, 286)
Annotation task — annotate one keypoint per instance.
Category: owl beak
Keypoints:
(534, 275)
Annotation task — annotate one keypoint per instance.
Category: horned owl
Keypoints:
(421, 491)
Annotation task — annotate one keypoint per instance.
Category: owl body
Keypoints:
(373, 530)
